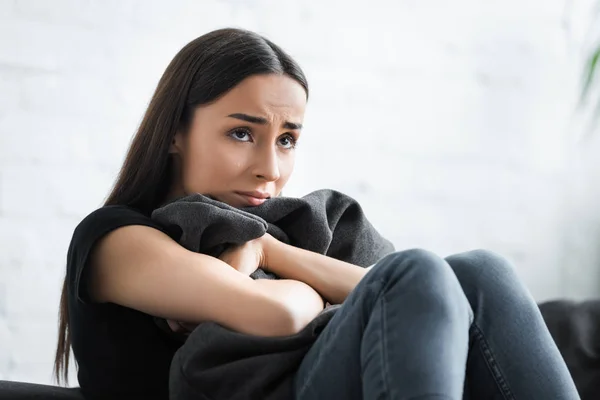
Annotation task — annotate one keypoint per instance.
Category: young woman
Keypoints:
(224, 121)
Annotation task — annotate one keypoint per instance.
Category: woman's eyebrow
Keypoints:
(263, 121)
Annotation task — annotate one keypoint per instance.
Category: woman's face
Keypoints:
(240, 148)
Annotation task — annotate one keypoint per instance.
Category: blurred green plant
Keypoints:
(592, 70)
(590, 94)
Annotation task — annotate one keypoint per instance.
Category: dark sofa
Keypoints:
(575, 327)
(33, 391)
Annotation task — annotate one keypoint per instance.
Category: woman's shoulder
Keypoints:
(109, 217)
(91, 229)
(102, 221)
(112, 212)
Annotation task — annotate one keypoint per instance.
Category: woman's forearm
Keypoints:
(332, 278)
(299, 302)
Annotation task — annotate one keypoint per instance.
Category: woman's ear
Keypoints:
(176, 146)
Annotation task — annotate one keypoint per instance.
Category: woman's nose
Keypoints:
(267, 165)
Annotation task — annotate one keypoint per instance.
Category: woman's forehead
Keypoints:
(263, 96)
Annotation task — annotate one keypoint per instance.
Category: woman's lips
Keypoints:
(251, 200)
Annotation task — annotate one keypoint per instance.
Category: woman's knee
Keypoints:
(421, 280)
(401, 263)
(418, 268)
(484, 270)
(481, 265)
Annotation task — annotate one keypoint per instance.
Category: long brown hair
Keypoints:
(200, 73)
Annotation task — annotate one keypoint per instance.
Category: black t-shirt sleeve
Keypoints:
(92, 228)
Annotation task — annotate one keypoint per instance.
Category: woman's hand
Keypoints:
(248, 257)
(331, 278)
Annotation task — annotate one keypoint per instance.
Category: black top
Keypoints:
(121, 352)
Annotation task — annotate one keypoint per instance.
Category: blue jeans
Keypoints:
(421, 327)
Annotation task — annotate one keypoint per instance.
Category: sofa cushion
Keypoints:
(34, 391)
(575, 327)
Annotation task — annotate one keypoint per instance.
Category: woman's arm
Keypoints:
(142, 268)
(332, 278)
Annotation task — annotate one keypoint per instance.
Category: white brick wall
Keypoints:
(450, 121)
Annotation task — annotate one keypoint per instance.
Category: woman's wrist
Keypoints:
(270, 247)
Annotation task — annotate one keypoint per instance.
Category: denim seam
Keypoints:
(384, 361)
(493, 366)
(320, 357)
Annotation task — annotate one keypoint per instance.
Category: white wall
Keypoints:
(452, 123)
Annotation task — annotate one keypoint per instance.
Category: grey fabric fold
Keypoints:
(217, 363)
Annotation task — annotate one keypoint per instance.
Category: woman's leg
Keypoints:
(512, 355)
(401, 334)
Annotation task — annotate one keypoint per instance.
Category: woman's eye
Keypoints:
(243, 135)
(288, 142)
